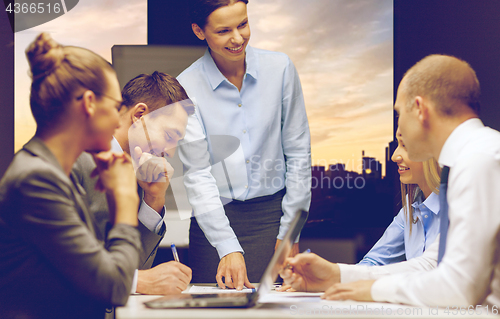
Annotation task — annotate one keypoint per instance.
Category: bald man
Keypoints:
(438, 107)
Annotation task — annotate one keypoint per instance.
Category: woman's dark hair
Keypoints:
(156, 90)
(57, 72)
(199, 10)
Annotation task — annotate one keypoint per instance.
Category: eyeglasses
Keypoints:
(119, 104)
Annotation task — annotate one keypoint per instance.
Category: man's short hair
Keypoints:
(448, 81)
(156, 90)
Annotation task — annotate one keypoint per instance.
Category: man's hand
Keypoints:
(167, 278)
(293, 252)
(358, 290)
(232, 267)
(153, 175)
(309, 272)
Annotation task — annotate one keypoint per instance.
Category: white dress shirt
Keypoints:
(469, 273)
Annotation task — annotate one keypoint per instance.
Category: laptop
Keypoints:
(238, 300)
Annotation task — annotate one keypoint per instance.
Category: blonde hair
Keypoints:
(409, 192)
(58, 71)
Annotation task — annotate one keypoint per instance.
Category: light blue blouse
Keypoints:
(258, 141)
(397, 244)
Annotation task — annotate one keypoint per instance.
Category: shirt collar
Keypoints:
(431, 202)
(215, 77)
(457, 139)
(251, 62)
(115, 146)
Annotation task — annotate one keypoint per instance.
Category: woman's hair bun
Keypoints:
(44, 55)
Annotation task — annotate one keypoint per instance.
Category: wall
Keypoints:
(6, 91)
(467, 29)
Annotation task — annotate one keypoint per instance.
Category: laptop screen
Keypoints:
(280, 255)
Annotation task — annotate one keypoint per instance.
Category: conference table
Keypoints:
(299, 305)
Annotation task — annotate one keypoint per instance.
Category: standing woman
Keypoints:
(255, 97)
(51, 264)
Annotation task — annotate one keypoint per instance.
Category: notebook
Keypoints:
(238, 300)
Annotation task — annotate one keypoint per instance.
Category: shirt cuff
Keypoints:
(366, 262)
(350, 273)
(150, 218)
(384, 289)
(133, 290)
(228, 246)
(282, 232)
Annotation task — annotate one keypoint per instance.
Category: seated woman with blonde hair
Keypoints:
(416, 226)
(51, 264)
(413, 233)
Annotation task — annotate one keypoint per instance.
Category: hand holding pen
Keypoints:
(309, 272)
(285, 287)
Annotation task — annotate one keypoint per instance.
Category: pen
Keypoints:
(174, 252)
(288, 266)
(149, 141)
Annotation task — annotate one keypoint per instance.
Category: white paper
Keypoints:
(216, 290)
(290, 297)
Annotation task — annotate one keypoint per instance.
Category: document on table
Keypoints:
(216, 290)
(290, 297)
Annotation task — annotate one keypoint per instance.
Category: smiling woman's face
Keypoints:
(227, 32)
(409, 172)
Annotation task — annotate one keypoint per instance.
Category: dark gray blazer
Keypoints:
(51, 264)
(98, 206)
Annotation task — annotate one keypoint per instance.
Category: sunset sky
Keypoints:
(342, 50)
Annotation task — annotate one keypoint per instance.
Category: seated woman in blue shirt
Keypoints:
(416, 226)
(413, 231)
